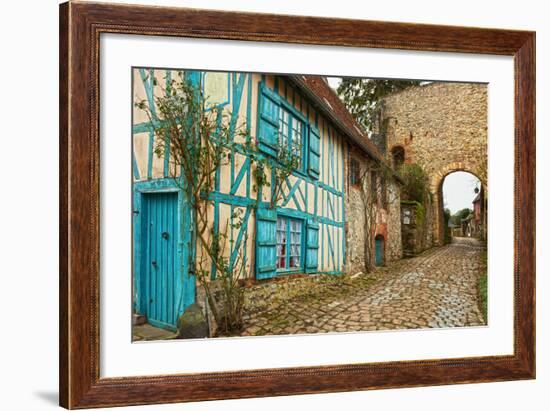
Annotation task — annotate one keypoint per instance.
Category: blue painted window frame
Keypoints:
(295, 115)
(287, 270)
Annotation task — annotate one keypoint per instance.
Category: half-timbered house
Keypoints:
(304, 233)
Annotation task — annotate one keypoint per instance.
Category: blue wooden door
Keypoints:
(162, 284)
(379, 251)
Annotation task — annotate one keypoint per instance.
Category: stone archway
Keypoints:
(443, 128)
(436, 188)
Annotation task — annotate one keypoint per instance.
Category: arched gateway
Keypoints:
(436, 188)
(443, 128)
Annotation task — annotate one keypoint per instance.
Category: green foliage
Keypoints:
(415, 186)
(362, 98)
(420, 215)
(457, 217)
(420, 211)
(287, 161)
(446, 218)
(465, 212)
(260, 177)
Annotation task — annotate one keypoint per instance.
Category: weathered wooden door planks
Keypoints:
(162, 282)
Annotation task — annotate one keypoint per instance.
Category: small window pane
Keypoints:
(297, 138)
(291, 134)
(289, 243)
(283, 129)
(295, 243)
(281, 243)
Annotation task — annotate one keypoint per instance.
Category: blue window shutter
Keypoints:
(314, 152)
(266, 243)
(312, 246)
(268, 121)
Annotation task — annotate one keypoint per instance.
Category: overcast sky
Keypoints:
(458, 191)
(334, 82)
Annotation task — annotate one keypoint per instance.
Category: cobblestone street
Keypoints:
(435, 289)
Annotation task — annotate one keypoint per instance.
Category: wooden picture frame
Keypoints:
(80, 27)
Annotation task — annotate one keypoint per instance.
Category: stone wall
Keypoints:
(388, 221)
(443, 128)
(355, 223)
(394, 244)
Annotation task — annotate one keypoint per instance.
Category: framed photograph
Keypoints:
(260, 205)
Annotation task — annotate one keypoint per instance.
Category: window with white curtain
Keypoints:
(289, 243)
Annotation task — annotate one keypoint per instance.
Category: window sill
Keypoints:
(283, 271)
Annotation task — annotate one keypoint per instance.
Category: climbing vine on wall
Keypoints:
(416, 183)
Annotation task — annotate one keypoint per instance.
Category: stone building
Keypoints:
(480, 214)
(443, 128)
(372, 195)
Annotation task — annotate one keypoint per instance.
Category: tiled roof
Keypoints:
(326, 98)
